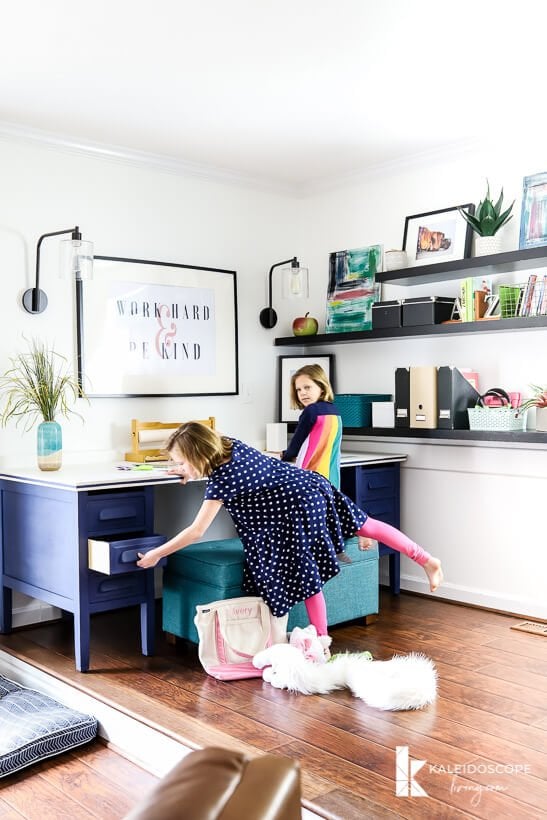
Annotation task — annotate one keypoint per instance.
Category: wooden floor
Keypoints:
(484, 740)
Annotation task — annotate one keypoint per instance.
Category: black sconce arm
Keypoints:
(268, 316)
(34, 299)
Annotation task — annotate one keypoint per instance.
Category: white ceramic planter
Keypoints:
(541, 419)
(485, 245)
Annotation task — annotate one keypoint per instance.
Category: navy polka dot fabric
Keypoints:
(292, 523)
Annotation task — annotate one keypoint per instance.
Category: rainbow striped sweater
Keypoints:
(317, 439)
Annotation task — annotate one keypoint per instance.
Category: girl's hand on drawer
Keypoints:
(148, 559)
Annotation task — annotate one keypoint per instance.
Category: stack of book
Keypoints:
(475, 291)
(533, 299)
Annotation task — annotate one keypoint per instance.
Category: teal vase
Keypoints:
(50, 445)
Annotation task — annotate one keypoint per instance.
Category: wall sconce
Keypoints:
(76, 260)
(295, 286)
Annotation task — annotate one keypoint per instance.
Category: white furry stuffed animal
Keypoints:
(404, 682)
(313, 647)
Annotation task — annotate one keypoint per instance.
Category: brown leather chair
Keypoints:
(220, 784)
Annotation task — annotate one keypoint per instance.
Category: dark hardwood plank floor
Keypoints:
(93, 781)
(484, 740)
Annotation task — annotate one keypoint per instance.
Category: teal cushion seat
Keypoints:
(213, 571)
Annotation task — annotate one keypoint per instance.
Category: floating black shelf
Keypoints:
(447, 329)
(490, 265)
(515, 437)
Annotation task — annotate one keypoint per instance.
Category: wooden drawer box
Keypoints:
(116, 557)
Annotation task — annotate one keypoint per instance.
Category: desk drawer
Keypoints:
(113, 588)
(384, 509)
(373, 484)
(118, 557)
(116, 512)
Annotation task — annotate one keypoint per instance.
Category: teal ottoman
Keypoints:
(213, 571)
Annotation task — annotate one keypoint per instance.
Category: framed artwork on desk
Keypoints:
(149, 328)
(287, 366)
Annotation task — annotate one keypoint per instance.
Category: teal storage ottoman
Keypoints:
(353, 593)
(213, 571)
(196, 575)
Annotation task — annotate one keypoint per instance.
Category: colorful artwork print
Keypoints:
(351, 289)
(533, 220)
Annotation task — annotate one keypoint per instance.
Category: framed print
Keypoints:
(533, 215)
(157, 329)
(351, 288)
(288, 365)
(438, 236)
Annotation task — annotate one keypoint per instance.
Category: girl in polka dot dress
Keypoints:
(292, 522)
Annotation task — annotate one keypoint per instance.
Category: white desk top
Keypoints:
(81, 477)
(88, 476)
(348, 459)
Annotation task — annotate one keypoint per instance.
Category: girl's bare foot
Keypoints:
(365, 543)
(434, 572)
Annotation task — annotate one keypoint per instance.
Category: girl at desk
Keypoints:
(315, 444)
(292, 523)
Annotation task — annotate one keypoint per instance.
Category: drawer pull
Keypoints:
(107, 514)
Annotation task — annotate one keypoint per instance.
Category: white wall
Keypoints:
(143, 213)
(480, 508)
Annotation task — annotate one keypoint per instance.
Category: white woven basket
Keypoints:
(496, 418)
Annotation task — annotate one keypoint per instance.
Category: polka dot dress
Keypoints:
(292, 522)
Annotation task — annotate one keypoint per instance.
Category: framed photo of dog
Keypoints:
(438, 236)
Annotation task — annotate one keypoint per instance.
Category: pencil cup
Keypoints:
(276, 437)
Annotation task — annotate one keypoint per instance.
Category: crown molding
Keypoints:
(142, 159)
(173, 165)
(407, 162)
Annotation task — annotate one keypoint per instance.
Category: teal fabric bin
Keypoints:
(213, 571)
(356, 408)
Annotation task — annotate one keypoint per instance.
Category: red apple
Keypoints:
(305, 326)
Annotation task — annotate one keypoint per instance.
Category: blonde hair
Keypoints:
(316, 373)
(204, 448)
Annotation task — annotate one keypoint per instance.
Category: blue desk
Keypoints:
(46, 521)
(372, 480)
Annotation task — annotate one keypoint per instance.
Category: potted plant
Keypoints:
(539, 401)
(36, 386)
(486, 222)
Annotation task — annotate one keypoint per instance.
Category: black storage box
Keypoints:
(387, 314)
(427, 310)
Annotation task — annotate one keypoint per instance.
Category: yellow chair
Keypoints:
(148, 438)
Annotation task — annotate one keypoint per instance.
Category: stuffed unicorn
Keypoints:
(404, 682)
(314, 647)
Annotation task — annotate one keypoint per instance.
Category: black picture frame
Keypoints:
(287, 365)
(151, 328)
(438, 236)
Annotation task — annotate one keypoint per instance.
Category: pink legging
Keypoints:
(394, 538)
(316, 606)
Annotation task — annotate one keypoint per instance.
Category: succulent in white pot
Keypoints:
(539, 401)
